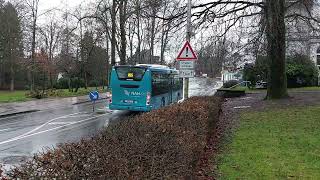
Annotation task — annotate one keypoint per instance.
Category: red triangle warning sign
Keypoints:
(187, 53)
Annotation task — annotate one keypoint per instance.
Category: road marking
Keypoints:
(41, 126)
(77, 116)
(48, 130)
(241, 107)
(2, 130)
(60, 123)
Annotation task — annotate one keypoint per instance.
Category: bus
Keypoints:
(144, 87)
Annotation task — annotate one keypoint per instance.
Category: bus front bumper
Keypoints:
(130, 108)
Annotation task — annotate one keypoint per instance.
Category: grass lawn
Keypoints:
(16, 96)
(19, 96)
(80, 92)
(276, 144)
(313, 88)
(249, 90)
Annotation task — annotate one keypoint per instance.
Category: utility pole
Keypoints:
(188, 37)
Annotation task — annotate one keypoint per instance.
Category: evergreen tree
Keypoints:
(11, 41)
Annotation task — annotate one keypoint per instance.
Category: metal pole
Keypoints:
(188, 37)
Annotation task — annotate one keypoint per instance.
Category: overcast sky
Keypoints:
(48, 4)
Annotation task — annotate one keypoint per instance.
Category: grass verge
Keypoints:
(276, 144)
(162, 144)
(248, 90)
(67, 93)
(16, 96)
(20, 96)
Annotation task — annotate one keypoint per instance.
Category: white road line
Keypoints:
(48, 130)
(39, 127)
(1, 130)
(59, 123)
(77, 116)
(241, 107)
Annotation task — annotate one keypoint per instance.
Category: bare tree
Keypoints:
(272, 14)
(51, 34)
(33, 6)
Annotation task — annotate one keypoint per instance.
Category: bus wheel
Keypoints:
(163, 102)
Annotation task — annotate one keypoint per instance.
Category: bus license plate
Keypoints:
(128, 101)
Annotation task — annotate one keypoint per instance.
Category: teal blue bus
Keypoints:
(144, 87)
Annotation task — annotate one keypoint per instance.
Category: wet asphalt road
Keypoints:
(23, 135)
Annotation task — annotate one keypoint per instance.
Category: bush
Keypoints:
(249, 73)
(94, 83)
(301, 71)
(147, 146)
(230, 83)
(38, 94)
(63, 83)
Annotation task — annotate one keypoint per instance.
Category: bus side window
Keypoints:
(178, 83)
(160, 83)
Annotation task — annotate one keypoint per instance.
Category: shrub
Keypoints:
(301, 71)
(249, 73)
(38, 94)
(147, 146)
(230, 83)
(94, 83)
(63, 83)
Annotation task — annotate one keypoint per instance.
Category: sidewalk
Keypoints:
(7, 109)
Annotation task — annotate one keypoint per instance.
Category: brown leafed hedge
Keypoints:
(165, 143)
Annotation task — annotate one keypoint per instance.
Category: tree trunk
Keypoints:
(69, 84)
(107, 53)
(153, 24)
(122, 18)
(85, 80)
(113, 33)
(33, 47)
(276, 50)
(12, 78)
(138, 50)
(51, 80)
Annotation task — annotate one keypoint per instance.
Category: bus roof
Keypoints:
(154, 67)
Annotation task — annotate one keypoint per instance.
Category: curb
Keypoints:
(17, 113)
(82, 102)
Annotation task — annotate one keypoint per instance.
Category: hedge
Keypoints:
(166, 143)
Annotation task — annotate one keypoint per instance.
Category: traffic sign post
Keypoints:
(186, 58)
(187, 54)
(94, 95)
(186, 73)
(186, 64)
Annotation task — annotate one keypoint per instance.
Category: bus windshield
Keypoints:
(130, 73)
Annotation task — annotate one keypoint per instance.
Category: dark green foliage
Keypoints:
(230, 83)
(75, 82)
(94, 83)
(301, 71)
(11, 51)
(249, 74)
(62, 83)
(256, 72)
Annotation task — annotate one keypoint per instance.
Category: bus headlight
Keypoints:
(148, 98)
